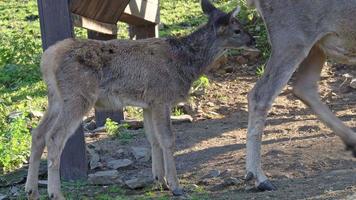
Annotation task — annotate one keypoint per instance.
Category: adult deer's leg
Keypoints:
(157, 154)
(285, 58)
(37, 147)
(166, 138)
(306, 89)
(68, 121)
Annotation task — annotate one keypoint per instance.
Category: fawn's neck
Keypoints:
(197, 51)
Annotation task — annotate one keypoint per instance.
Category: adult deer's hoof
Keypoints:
(178, 192)
(351, 148)
(266, 186)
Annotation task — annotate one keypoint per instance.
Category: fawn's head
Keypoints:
(228, 31)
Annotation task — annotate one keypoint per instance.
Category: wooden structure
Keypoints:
(100, 17)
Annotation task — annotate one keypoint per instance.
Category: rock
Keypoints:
(211, 104)
(14, 191)
(141, 153)
(36, 113)
(181, 119)
(232, 181)
(120, 151)
(226, 173)
(219, 63)
(353, 83)
(99, 129)
(139, 182)
(117, 164)
(42, 183)
(3, 197)
(241, 60)
(105, 178)
(252, 55)
(229, 69)
(212, 174)
(133, 124)
(347, 76)
(94, 160)
(90, 126)
(198, 93)
(186, 107)
(192, 187)
(14, 115)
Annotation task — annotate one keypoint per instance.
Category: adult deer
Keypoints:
(152, 73)
(303, 34)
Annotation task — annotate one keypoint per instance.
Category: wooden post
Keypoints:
(56, 25)
(143, 31)
(101, 116)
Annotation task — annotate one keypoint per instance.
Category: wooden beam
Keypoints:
(101, 116)
(91, 24)
(141, 12)
(107, 11)
(143, 31)
(56, 25)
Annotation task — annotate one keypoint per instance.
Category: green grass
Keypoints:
(21, 87)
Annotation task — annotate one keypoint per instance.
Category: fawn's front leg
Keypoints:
(157, 153)
(166, 138)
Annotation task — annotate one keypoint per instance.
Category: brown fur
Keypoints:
(152, 73)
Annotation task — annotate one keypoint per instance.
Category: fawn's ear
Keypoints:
(233, 14)
(236, 11)
(207, 7)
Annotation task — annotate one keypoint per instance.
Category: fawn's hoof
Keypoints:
(58, 196)
(266, 186)
(33, 195)
(351, 148)
(178, 192)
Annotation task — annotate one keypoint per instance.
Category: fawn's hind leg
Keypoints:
(68, 121)
(37, 147)
(306, 89)
(163, 131)
(157, 154)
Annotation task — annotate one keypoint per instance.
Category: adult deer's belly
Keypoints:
(342, 49)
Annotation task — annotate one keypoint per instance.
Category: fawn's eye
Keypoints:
(237, 31)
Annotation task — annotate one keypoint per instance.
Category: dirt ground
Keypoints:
(303, 158)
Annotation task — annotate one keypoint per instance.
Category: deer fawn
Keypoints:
(152, 73)
(303, 34)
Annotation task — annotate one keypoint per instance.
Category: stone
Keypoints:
(42, 183)
(181, 119)
(14, 115)
(139, 182)
(212, 174)
(141, 153)
(229, 69)
(133, 124)
(14, 191)
(187, 107)
(36, 113)
(353, 83)
(232, 181)
(90, 126)
(121, 163)
(210, 104)
(109, 177)
(3, 197)
(94, 160)
(241, 60)
(252, 55)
